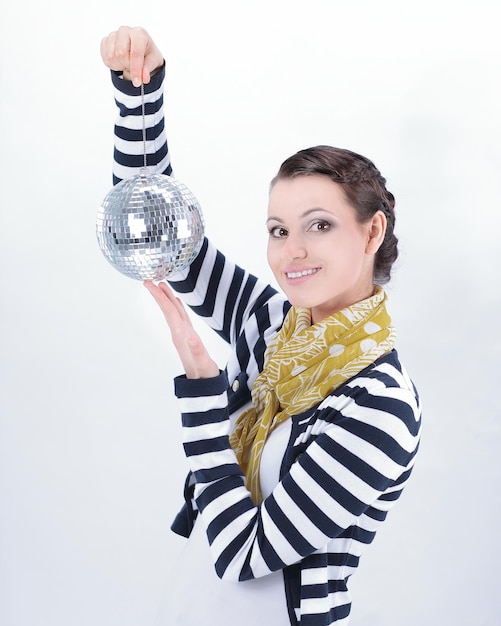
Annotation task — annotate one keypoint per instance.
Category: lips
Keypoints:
(301, 273)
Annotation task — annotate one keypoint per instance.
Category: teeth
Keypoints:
(299, 274)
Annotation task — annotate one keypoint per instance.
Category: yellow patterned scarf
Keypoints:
(303, 364)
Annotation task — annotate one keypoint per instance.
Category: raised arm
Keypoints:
(134, 58)
(222, 293)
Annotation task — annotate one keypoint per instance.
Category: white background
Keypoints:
(91, 468)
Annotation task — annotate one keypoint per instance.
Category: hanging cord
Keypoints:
(144, 169)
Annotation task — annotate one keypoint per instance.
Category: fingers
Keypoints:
(196, 360)
(163, 297)
(172, 308)
(134, 43)
(175, 301)
(108, 52)
(132, 51)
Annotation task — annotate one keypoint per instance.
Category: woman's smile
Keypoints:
(294, 275)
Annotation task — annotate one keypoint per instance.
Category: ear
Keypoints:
(376, 232)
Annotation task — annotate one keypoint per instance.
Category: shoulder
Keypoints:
(384, 378)
(381, 396)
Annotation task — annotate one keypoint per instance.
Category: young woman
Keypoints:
(301, 446)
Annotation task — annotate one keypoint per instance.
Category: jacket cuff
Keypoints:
(200, 387)
(127, 88)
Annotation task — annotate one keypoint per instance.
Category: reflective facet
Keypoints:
(150, 226)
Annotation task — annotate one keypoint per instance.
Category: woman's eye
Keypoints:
(278, 232)
(320, 226)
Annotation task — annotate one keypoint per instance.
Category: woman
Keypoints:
(301, 446)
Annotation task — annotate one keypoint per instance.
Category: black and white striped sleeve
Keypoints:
(227, 296)
(129, 148)
(347, 475)
(224, 294)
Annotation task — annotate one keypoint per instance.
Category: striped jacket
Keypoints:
(347, 461)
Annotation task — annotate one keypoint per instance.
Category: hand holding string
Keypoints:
(132, 51)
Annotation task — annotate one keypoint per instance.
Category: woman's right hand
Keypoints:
(133, 52)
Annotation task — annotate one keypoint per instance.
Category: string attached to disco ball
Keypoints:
(149, 226)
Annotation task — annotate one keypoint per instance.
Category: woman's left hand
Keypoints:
(196, 360)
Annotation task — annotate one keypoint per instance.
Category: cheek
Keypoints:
(346, 254)
(273, 256)
(356, 240)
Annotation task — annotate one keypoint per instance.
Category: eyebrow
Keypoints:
(304, 214)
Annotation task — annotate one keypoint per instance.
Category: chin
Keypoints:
(300, 302)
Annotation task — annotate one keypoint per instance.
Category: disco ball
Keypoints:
(150, 226)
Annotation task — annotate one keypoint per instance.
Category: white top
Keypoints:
(198, 596)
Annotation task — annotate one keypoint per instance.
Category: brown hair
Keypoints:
(363, 186)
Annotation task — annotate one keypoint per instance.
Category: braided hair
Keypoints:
(363, 186)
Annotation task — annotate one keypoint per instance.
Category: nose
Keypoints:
(295, 247)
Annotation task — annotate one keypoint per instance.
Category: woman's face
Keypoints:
(321, 256)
